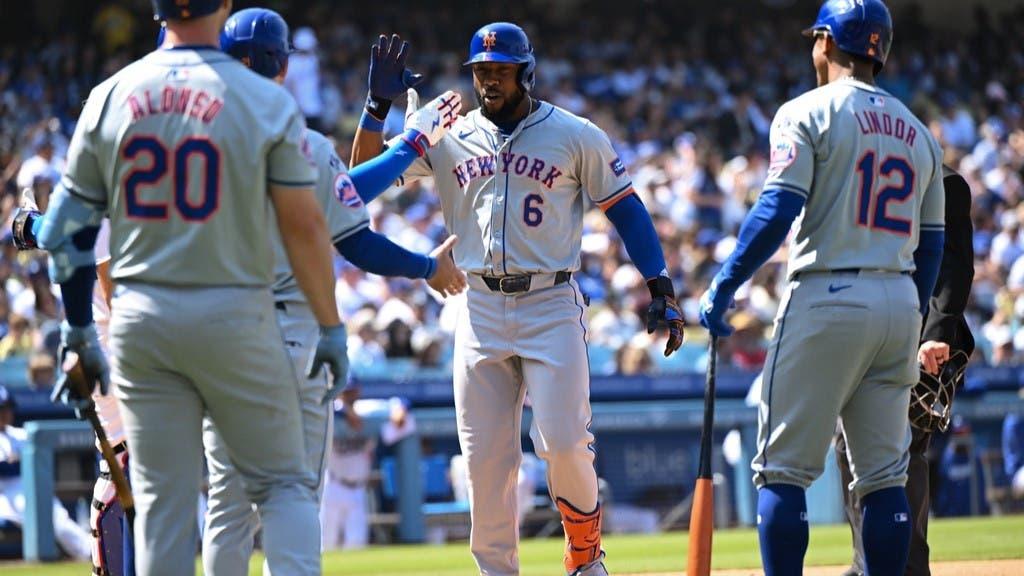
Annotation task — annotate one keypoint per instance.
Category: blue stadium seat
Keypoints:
(14, 372)
(436, 485)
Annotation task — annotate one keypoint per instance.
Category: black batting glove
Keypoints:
(664, 310)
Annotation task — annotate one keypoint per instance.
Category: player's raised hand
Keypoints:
(389, 76)
(426, 126)
(83, 366)
(332, 350)
(664, 311)
(447, 278)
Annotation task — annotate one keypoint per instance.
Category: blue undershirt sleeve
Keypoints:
(763, 231)
(373, 177)
(76, 292)
(377, 254)
(633, 223)
(927, 259)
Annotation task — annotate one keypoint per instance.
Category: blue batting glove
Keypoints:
(389, 78)
(713, 305)
(85, 342)
(332, 350)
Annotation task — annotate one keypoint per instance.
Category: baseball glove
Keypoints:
(931, 399)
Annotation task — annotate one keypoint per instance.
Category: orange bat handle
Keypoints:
(698, 562)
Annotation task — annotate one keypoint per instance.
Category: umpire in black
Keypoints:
(946, 344)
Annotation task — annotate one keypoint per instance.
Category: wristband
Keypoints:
(368, 122)
(377, 107)
(661, 286)
(431, 268)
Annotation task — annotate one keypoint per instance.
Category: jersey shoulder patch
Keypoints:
(345, 191)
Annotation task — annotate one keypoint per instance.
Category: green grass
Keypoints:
(966, 539)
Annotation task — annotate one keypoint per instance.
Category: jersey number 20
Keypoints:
(158, 167)
(900, 185)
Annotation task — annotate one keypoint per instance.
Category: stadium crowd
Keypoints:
(687, 102)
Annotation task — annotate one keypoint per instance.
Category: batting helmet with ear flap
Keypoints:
(259, 38)
(504, 42)
(861, 27)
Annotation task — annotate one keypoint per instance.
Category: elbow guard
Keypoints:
(69, 232)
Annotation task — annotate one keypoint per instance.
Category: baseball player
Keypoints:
(259, 38)
(512, 176)
(112, 548)
(946, 344)
(182, 149)
(865, 177)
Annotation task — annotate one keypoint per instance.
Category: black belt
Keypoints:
(519, 283)
(280, 306)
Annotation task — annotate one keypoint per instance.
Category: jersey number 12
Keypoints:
(899, 186)
(158, 167)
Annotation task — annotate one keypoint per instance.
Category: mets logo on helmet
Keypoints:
(345, 191)
(490, 39)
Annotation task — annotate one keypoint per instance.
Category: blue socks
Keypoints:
(782, 529)
(886, 531)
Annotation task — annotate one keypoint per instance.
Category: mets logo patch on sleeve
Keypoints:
(345, 191)
(618, 168)
(782, 157)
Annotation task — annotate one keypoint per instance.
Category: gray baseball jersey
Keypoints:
(870, 171)
(524, 195)
(517, 206)
(151, 146)
(343, 209)
(179, 148)
(872, 176)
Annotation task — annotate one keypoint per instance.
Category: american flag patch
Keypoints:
(345, 191)
(877, 101)
(618, 168)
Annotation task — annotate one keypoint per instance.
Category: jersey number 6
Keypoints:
(891, 168)
(151, 176)
(532, 214)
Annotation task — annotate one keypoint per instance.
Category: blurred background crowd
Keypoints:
(687, 102)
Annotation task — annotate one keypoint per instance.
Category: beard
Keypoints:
(507, 111)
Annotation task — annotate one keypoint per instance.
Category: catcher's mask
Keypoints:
(931, 400)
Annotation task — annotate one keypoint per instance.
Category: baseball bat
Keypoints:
(78, 380)
(702, 523)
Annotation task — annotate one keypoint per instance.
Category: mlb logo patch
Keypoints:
(345, 191)
(618, 168)
(877, 101)
(177, 75)
(902, 518)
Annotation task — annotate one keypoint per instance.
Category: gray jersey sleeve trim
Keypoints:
(614, 194)
(350, 231)
(788, 188)
(85, 198)
(291, 184)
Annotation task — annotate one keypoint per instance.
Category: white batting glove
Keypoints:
(424, 127)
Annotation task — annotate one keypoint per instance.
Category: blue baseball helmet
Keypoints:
(504, 42)
(259, 38)
(861, 27)
(183, 9)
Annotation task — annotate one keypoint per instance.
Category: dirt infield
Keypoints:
(972, 568)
